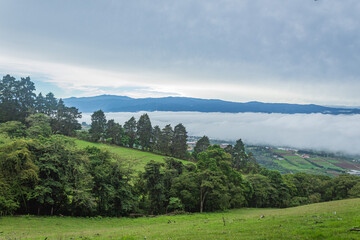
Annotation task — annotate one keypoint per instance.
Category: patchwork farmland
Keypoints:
(291, 161)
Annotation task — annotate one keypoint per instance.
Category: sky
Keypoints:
(295, 51)
(332, 133)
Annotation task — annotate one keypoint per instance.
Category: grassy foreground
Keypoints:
(136, 159)
(330, 220)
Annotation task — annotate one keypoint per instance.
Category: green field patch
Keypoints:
(279, 151)
(333, 160)
(134, 158)
(330, 220)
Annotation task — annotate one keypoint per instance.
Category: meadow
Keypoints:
(329, 220)
(134, 159)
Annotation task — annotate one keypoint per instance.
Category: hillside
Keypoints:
(135, 159)
(330, 220)
(111, 103)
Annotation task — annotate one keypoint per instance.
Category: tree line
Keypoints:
(18, 101)
(138, 134)
(47, 174)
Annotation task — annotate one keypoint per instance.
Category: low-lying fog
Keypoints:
(335, 133)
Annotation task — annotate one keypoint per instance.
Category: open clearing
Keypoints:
(330, 220)
(135, 159)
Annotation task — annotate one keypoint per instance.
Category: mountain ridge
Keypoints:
(114, 103)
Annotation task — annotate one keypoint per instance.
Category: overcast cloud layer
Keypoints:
(299, 51)
(335, 133)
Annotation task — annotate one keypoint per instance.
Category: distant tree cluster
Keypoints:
(18, 101)
(139, 134)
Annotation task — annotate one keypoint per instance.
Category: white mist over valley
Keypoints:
(334, 133)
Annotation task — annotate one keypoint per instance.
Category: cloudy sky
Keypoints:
(298, 51)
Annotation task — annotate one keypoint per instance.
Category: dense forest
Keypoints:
(43, 172)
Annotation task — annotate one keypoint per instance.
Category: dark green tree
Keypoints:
(144, 131)
(17, 98)
(201, 145)
(40, 104)
(156, 135)
(18, 175)
(51, 105)
(165, 141)
(98, 126)
(154, 187)
(179, 145)
(130, 131)
(114, 132)
(65, 120)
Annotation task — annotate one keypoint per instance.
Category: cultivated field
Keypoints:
(331, 220)
(289, 161)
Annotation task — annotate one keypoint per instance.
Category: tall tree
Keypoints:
(51, 105)
(98, 126)
(179, 146)
(40, 105)
(156, 135)
(201, 145)
(18, 175)
(144, 131)
(165, 140)
(154, 186)
(113, 132)
(130, 131)
(64, 120)
(17, 98)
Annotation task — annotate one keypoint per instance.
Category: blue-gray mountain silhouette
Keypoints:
(112, 103)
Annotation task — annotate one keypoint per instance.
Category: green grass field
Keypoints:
(331, 220)
(135, 159)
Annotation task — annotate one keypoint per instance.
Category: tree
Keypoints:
(114, 132)
(144, 131)
(51, 105)
(263, 190)
(165, 141)
(13, 129)
(39, 125)
(130, 131)
(64, 120)
(201, 145)
(156, 135)
(179, 146)
(17, 98)
(154, 186)
(98, 126)
(40, 104)
(354, 192)
(18, 175)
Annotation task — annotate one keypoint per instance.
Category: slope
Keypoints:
(330, 220)
(135, 159)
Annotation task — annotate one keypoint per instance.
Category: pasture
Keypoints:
(330, 220)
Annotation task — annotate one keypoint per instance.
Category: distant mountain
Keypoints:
(111, 103)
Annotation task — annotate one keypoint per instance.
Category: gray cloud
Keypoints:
(294, 46)
(339, 133)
